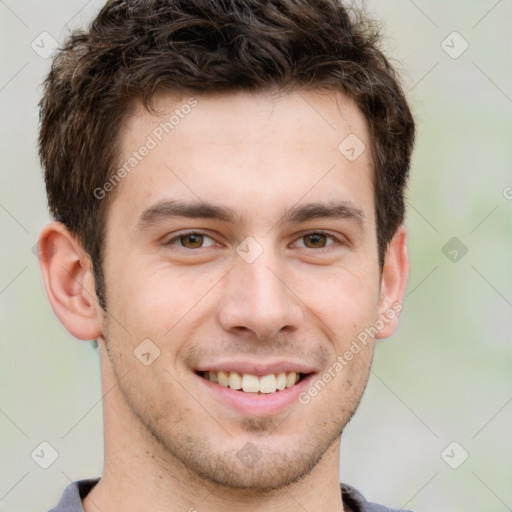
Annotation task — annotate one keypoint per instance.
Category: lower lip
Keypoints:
(257, 404)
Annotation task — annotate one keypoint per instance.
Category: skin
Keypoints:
(169, 445)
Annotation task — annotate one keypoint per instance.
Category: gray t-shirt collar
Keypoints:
(74, 493)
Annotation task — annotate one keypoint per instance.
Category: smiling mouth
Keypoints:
(248, 383)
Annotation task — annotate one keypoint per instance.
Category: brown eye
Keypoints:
(192, 240)
(315, 240)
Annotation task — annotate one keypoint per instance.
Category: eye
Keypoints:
(317, 240)
(198, 240)
(191, 240)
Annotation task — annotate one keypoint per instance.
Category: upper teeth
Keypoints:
(252, 383)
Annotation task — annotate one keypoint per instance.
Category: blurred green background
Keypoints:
(446, 375)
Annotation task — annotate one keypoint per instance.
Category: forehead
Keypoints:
(245, 150)
(324, 109)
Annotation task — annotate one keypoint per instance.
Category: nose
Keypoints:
(258, 299)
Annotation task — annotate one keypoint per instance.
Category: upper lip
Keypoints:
(256, 368)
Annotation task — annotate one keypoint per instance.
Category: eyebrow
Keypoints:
(168, 208)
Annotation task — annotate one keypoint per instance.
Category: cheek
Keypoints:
(153, 297)
(346, 301)
(336, 392)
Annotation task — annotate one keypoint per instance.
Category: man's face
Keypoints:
(291, 298)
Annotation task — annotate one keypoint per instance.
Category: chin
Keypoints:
(271, 472)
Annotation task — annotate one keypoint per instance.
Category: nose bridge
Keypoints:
(257, 298)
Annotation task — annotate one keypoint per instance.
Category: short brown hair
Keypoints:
(136, 48)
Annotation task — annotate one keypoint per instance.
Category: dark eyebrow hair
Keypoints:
(169, 208)
(337, 210)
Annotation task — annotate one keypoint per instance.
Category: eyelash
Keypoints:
(317, 232)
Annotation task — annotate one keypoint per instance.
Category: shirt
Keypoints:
(74, 493)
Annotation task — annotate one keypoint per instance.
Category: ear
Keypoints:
(69, 281)
(393, 282)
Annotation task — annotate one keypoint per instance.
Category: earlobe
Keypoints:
(393, 282)
(69, 281)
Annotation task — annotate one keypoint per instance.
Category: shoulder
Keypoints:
(356, 502)
(71, 499)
